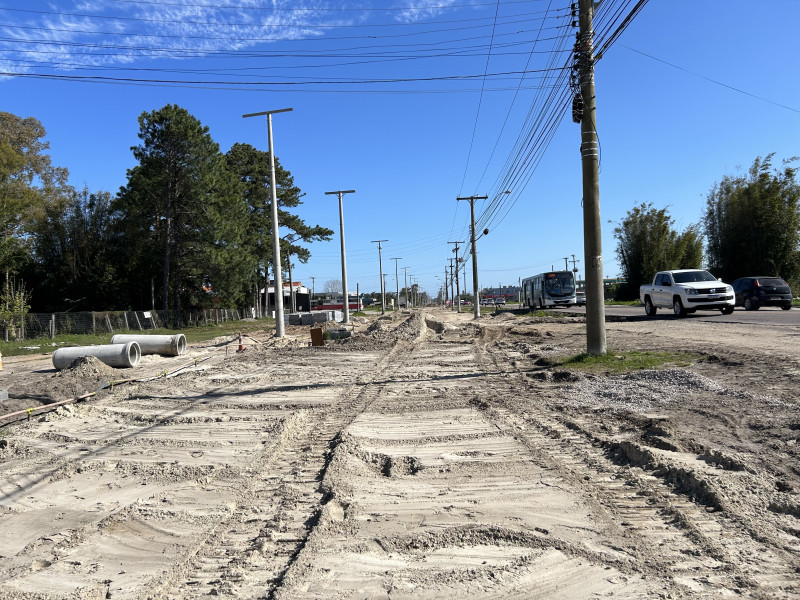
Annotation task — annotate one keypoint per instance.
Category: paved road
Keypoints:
(770, 315)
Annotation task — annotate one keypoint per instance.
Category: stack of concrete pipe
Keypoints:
(124, 351)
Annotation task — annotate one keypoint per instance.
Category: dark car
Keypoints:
(755, 292)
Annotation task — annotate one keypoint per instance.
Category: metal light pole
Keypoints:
(346, 303)
(276, 243)
(311, 304)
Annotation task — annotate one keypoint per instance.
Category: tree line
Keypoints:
(191, 227)
(750, 226)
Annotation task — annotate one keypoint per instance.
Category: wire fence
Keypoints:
(49, 325)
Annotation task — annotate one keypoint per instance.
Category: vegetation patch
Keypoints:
(622, 362)
(193, 334)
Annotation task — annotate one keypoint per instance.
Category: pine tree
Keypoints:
(182, 212)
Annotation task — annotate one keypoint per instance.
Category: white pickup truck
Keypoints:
(685, 291)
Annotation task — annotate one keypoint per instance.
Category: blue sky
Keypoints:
(415, 102)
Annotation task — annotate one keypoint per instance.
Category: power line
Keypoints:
(720, 83)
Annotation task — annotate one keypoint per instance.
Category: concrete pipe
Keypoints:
(166, 345)
(114, 355)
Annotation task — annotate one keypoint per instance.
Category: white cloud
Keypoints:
(418, 10)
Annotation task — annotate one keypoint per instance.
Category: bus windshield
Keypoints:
(559, 284)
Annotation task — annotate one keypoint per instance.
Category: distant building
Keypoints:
(300, 293)
(509, 293)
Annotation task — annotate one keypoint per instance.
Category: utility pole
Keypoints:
(566, 263)
(452, 291)
(575, 268)
(311, 304)
(380, 270)
(475, 298)
(396, 282)
(458, 290)
(446, 297)
(276, 243)
(345, 297)
(405, 271)
(592, 244)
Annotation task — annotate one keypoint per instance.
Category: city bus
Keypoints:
(550, 289)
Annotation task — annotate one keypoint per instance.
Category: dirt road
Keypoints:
(425, 457)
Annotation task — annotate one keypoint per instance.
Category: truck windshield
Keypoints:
(693, 276)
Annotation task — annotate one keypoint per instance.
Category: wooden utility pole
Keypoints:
(592, 245)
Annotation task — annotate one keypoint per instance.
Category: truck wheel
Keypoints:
(786, 306)
(727, 310)
(677, 307)
(649, 309)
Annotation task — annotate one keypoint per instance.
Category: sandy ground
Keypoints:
(427, 456)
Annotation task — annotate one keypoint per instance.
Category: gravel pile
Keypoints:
(640, 391)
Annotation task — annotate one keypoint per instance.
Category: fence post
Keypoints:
(108, 322)
(94, 324)
(52, 326)
(125, 318)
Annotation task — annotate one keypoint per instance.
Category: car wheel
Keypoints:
(649, 309)
(677, 308)
(750, 304)
(786, 306)
(727, 310)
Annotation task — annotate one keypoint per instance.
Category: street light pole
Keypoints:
(346, 299)
(276, 244)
